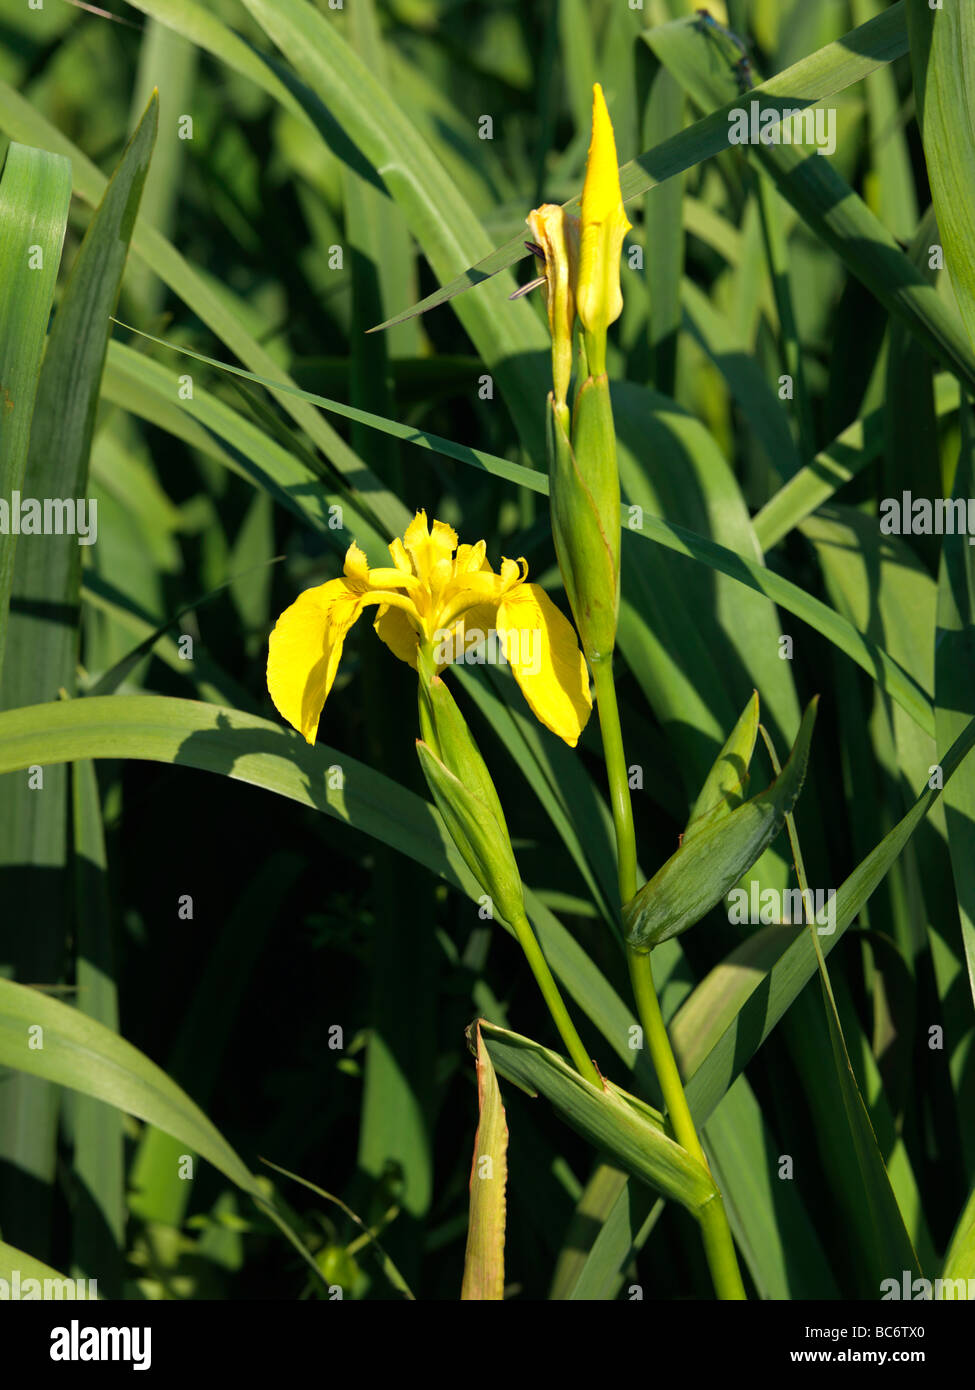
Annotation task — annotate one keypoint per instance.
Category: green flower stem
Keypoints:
(665, 1064)
(619, 787)
(715, 1232)
(556, 1006)
(720, 1251)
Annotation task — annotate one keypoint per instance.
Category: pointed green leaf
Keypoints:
(702, 871)
(35, 191)
(942, 45)
(727, 782)
(960, 1259)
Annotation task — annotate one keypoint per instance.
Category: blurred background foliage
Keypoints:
(300, 924)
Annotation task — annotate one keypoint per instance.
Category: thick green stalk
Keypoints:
(720, 1251)
(715, 1231)
(619, 786)
(556, 1006)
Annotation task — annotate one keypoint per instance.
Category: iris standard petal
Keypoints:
(542, 650)
(430, 549)
(305, 648)
(400, 558)
(356, 565)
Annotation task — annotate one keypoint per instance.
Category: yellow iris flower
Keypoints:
(434, 592)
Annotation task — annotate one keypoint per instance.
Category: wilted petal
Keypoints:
(557, 233)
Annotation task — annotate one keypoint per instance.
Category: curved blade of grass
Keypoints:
(389, 1269)
(859, 445)
(144, 387)
(954, 691)
(209, 680)
(158, 1191)
(871, 1206)
(960, 1259)
(423, 439)
(942, 44)
(824, 73)
(208, 32)
(21, 121)
(509, 337)
(890, 677)
(99, 1140)
(484, 1259)
(81, 1053)
(35, 191)
(737, 1005)
(789, 596)
(15, 1264)
(826, 203)
(42, 655)
(723, 341)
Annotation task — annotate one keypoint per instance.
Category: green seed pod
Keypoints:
(709, 863)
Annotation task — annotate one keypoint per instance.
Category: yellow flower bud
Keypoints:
(557, 233)
(604, 224)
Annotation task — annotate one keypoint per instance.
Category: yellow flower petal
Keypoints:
(430, 549)
(470, 558)
(395, 629)
(604, 224)
(557, 233)
(470, 631)
(541, 647)
(389, 578)
(400, 558)
(356, 565)
(305, 648)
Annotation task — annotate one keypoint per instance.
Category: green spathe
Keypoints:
(584, 494)
(703, 870)
(445, 729)
(726, 785)
(482, 842)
